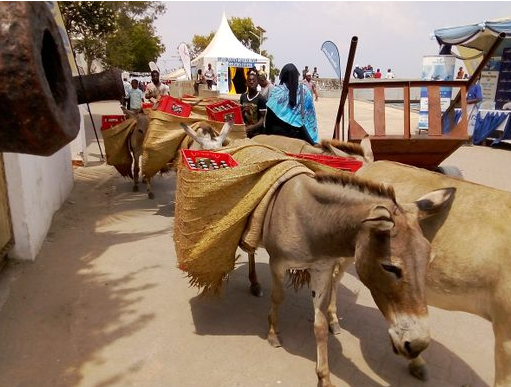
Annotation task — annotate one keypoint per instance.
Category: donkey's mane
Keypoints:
(363, 185)
(347, 147)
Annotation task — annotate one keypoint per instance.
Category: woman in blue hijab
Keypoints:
(290, 108)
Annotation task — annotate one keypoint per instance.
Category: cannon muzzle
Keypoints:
(39, 97)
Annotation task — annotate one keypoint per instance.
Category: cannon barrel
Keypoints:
(39, 96)
(103, 86)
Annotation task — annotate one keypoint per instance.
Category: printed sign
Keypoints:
(503, 93)
(436, 68)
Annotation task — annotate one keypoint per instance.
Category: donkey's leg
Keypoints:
(255, 287)
(149, 191)
(277, 296)
(502, 329)
(136, 171)
(339, 269)
(321, 287)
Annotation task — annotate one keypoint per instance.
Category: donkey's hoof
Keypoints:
(335, 328)
(274, 340)
(419, 371)
(150, 195)
(256, 290)
(135, 188)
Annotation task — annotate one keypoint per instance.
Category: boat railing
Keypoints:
(440, 125)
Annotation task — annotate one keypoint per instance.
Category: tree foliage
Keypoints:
(119, 33)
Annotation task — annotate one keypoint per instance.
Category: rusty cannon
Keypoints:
(39, 95)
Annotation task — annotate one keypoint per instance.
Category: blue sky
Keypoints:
(390, 34)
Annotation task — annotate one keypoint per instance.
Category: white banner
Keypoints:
(185, 58)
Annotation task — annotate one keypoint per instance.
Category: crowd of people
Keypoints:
(364, 72)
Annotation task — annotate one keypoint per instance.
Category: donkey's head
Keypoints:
(391, 257)
(205, 137)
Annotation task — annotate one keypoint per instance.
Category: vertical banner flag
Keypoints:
(436, 68)
(185, 58)
(332, 54)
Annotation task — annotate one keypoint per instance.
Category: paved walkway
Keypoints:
(104, 305)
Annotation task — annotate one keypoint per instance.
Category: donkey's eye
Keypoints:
(392, 269)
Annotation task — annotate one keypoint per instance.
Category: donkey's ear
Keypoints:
(192, 133)
(128, 113)
(379, 219)
(368, 150)
(225, 130)
(434, 202)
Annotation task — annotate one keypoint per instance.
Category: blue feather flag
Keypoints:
(332, 53)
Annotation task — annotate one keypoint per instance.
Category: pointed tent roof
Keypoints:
(226, 45)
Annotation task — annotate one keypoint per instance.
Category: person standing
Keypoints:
(136, 97)
(263, 71)
(311, 85)
(265, 86)
(389, 75)
(253, 107)
(199, 80)
(474, 99)
(155, 90)
(475, 93)
(209, 75)
(304, 72)
(460, 73)
(127, 89)
(315, 74)
(290, 108)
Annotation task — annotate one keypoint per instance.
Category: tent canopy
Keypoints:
(227, 47)
(478, 36)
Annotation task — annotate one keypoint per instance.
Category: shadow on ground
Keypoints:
(63, 311)
(228, 316)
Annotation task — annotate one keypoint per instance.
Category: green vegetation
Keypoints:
(118, 33)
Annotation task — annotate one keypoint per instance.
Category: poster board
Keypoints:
(438, 68)
(503, 93)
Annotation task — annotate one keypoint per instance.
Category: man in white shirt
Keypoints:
(265, 86)
(389, 74)
(155, 90)
(127, 89)
(209, 75)
(311, 85)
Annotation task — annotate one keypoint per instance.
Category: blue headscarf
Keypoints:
(285, 100)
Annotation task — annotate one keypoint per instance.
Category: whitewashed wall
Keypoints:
(37, 187)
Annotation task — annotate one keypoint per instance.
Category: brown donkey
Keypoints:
(312, 222)
(135, 143)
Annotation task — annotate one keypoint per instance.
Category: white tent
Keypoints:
(230, 59)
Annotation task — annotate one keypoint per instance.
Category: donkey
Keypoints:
(362, 152)
(471, 271)
(135, 143)
(313, 221)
